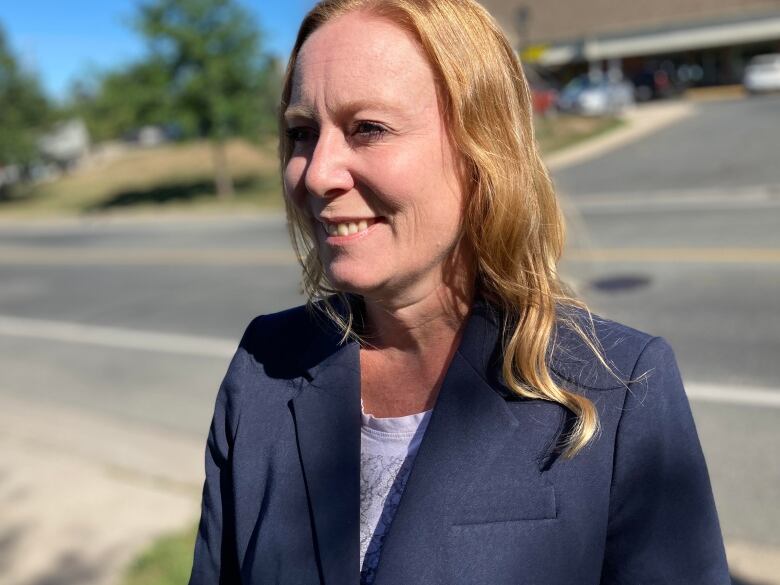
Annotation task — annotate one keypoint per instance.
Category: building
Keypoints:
(66, 144)
(706, 41)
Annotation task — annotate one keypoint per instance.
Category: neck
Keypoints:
(411, 337)
(427, 321)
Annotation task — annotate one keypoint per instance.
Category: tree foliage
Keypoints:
(24, 109)
(205, 73)
(126, 99)
(211, 50)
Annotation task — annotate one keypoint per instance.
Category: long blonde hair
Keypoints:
(512, 221)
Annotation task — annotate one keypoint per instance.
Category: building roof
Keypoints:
(566, 21)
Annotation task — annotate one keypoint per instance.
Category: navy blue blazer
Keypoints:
(488, 501)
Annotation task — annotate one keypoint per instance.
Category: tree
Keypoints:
(123, 100)
(24, 110)
(210, 50)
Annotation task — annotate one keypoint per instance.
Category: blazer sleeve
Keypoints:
(216, 559)
(663, 527)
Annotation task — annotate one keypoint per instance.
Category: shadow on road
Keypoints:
(9, 537)
(71, 569)
(68, 568)
(742, 581)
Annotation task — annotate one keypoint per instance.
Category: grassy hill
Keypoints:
(167, 177)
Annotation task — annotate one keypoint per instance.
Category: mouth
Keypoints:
(342, 227)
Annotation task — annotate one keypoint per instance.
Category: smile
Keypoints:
(347, 227)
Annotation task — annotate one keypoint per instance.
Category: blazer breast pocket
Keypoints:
(504, 537)
(497, 504)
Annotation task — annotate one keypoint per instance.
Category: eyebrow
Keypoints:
(300, 111)
(308, 112)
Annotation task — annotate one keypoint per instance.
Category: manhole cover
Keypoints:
(621, 283)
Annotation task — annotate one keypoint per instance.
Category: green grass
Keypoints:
(561, 131)
(166, 562)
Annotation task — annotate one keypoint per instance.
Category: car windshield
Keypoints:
(579, 84)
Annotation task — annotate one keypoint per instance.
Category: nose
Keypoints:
(327, 173)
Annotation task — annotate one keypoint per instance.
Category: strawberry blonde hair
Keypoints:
(512, 222)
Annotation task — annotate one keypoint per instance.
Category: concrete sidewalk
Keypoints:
(82, 495)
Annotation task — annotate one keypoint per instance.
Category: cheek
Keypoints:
(294, 187)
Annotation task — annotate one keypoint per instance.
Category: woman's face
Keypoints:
(372, 164)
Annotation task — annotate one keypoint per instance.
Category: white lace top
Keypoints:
(388, 447)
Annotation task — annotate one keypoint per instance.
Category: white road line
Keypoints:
(117, 337)
(675, 255)
(740, 395)
(747, 198)
(217, 347)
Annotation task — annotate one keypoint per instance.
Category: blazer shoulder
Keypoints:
(287, 343)
(267, 331)
(574, 359)
(267, 363)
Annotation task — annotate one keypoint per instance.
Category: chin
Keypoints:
(353, 279)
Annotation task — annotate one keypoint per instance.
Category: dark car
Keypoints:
(656, 82)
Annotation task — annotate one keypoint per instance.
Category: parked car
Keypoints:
(596, 96)
(762, 74)
(544, 95)
(657, 82)
(544, 99)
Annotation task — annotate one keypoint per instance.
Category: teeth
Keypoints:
(347, 228)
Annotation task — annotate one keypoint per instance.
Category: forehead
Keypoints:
(364, 58)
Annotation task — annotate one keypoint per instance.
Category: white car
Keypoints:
(762, 74)
(596, 97)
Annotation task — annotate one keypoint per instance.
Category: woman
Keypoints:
(443, 412)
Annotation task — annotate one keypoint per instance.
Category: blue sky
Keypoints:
(63, 39)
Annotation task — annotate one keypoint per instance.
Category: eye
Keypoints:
(369, 130)
(300, 134)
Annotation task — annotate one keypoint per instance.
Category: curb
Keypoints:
(140, 219)
(642, 121)
(717, 93)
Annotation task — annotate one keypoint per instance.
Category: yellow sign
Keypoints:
(533, 53)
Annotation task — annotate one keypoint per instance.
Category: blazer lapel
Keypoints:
(327, 422)
(471, 425)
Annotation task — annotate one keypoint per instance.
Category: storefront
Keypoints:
(693, 42)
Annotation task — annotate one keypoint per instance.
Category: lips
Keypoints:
(347, 226)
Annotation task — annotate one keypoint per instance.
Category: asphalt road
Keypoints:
(678, 234)
(726, 145)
